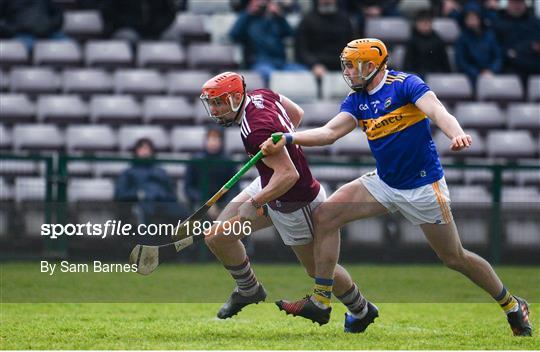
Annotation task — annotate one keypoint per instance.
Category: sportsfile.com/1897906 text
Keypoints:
(119, 228)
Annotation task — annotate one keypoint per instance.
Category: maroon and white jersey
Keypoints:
(264, 115)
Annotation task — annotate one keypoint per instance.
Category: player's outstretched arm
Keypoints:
(436, 111)
(336, 128)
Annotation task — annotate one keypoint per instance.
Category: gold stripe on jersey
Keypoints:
(391, 78)
(393, 122)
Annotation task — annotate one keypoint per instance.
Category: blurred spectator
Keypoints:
(217, 173)
(519, 33)
(28, 20)
(288, 6)
(261, 30)
(477, 49)
(449, 8)
(133, 20)
(149, 186)
(320, 37)
(365, 9)
(490, 12)
(425, 51)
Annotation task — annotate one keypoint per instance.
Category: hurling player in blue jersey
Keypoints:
(393, 109)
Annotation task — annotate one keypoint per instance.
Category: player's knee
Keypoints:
(213, 241)
(321, 219)
(455, 261)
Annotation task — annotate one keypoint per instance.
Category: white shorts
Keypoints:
(295, 228)
(429, 204)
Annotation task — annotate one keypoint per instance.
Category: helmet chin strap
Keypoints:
(372, 77)
(237, 116)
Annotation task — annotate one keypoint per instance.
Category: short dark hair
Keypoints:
(423, 15)
(142, 141)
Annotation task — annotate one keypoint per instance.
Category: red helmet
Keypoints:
(223, 94)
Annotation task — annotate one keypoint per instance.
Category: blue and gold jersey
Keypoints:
(398, 132)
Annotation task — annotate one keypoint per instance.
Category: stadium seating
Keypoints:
(86, 81)
(365, 231)
(16, 108)
(79, 169)
(61, 109)
(450, 87)
(168, 110)
(301, 87)
(390, 30)
(252, 79)
(6, 192)
(128, 135)
(4, 81)
(511, 144)
(189, 27)
(110, 169)
(233, 142)
(524, 233)
(479, 115)
(37, 137)
(209, 6)
(216, 57)
(108, 53)
(90, 138)
(29, 189)
(446, 28)
(5, 138)
(334, 86)
(477, 149)
(57, 53)
(114, 109)
(320, 112)
(500, 88)
(13, 52)
(534, 88)
(34, 80)
(397, 57)
(138, 82)
(188, 139)
(470, 197)
(523, 116)
(92, 189)
(82, 95)
(220, 26)
(160, 55)
(354, 144)
(187, 83)
(336, 174)
(175, 170)
(83, 24)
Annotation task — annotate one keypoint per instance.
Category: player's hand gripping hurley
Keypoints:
(148, 258)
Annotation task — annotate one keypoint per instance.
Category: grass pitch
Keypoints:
(421, 307)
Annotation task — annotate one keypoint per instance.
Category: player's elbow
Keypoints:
(291, 176)
(331, 137)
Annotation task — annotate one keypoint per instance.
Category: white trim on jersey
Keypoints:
(244, 125)
(379, 86)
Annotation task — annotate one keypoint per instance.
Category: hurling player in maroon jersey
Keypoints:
(285, 187)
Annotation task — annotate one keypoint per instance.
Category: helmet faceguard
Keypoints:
(221, 97)
(219, 107)
(356, 56)
(362, 81)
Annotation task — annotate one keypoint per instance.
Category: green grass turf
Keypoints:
(457, 317)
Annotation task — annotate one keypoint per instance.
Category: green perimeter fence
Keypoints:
(44, 197)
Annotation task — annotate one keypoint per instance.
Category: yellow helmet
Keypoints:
(359, 52)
